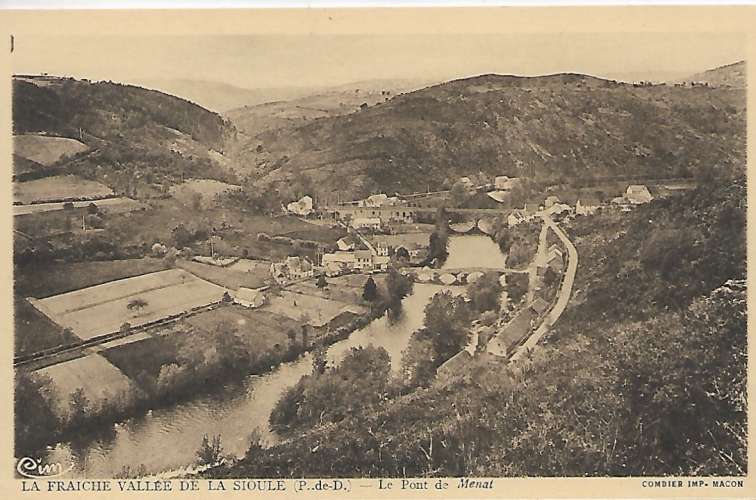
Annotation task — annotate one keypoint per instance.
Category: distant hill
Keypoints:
(133, 136)
(549, 127)
(730, 75)
(333, 101)
(221, 97)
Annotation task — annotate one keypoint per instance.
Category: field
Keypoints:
(228, 277)
(45, 150)
(110, 205)
(99, 380)
(239, 233)
(33, 331)
(103, 308)
(261, 329)
(45, 280)
(58, 187)
(208, 189)
(319, 310)
(262, 332)
(333, 291)
(145, 356)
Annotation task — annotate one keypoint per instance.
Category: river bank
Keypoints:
(167, 439)
(173, 384)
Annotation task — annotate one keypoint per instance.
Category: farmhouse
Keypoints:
(346, 244)
(513, 332)
(339, 262)
(293, 268)
(373, 223)
(504, 183)
(551, 201)
(539, 306)
(587, 205)
(637, 194)
(301, 207)
(454, 366)
(249, 297)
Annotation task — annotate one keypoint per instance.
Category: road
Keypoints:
(565, 292)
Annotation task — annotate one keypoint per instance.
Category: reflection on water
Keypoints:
(167, 439)
(474, 251)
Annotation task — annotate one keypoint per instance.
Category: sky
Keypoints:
(275, 61)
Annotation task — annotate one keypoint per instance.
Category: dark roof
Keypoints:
(539, 305)
(457, 361)
(516, 329)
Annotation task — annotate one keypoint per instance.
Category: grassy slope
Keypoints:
(563, 125)
(132, 131)
(671, 357)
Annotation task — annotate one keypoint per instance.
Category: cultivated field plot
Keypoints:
(319, 310)
(99, 380)
(44, 280)
(228, 277)
(261, 330)
(45, 150)
(208, 189)
(58, 187)
(103, 308)
(111, 205)
(333, 291)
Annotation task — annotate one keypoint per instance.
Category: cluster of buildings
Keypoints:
(292, 269)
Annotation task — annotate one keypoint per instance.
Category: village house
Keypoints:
(498, 196)
(338, 263)
(551, 201)
(587, 205)
(454, 366)
(386, 214)
(505, 183)
(293, 268)
(504, 343)
(466, 182)
(637, 194)
(301, 207)
(373, 223)
(539, 306)
(346, 244)
(250, 297)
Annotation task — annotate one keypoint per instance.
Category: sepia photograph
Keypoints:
(379, 255)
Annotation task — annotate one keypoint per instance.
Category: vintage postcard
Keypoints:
(425, 253)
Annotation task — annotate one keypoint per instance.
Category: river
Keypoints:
(168, 438)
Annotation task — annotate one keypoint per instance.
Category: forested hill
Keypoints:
(127, 127)
(550, 127)
(645, 373)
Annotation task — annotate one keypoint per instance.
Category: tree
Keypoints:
(210, 452)
(459, 194)
(79, 408)
(36, 422)
(485, 293)
(402, 255)
(319, 360)
(517, 286)
(322, 282)
(136, 305)
(447, 318)
(370, 290)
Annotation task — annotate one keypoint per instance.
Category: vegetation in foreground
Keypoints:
(650, 386)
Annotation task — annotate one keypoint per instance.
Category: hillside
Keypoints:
(254, 119)
(136, 137)
(645, 374)
(731, 75)
(550, 127)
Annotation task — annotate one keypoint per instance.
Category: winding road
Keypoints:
(565, 292)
